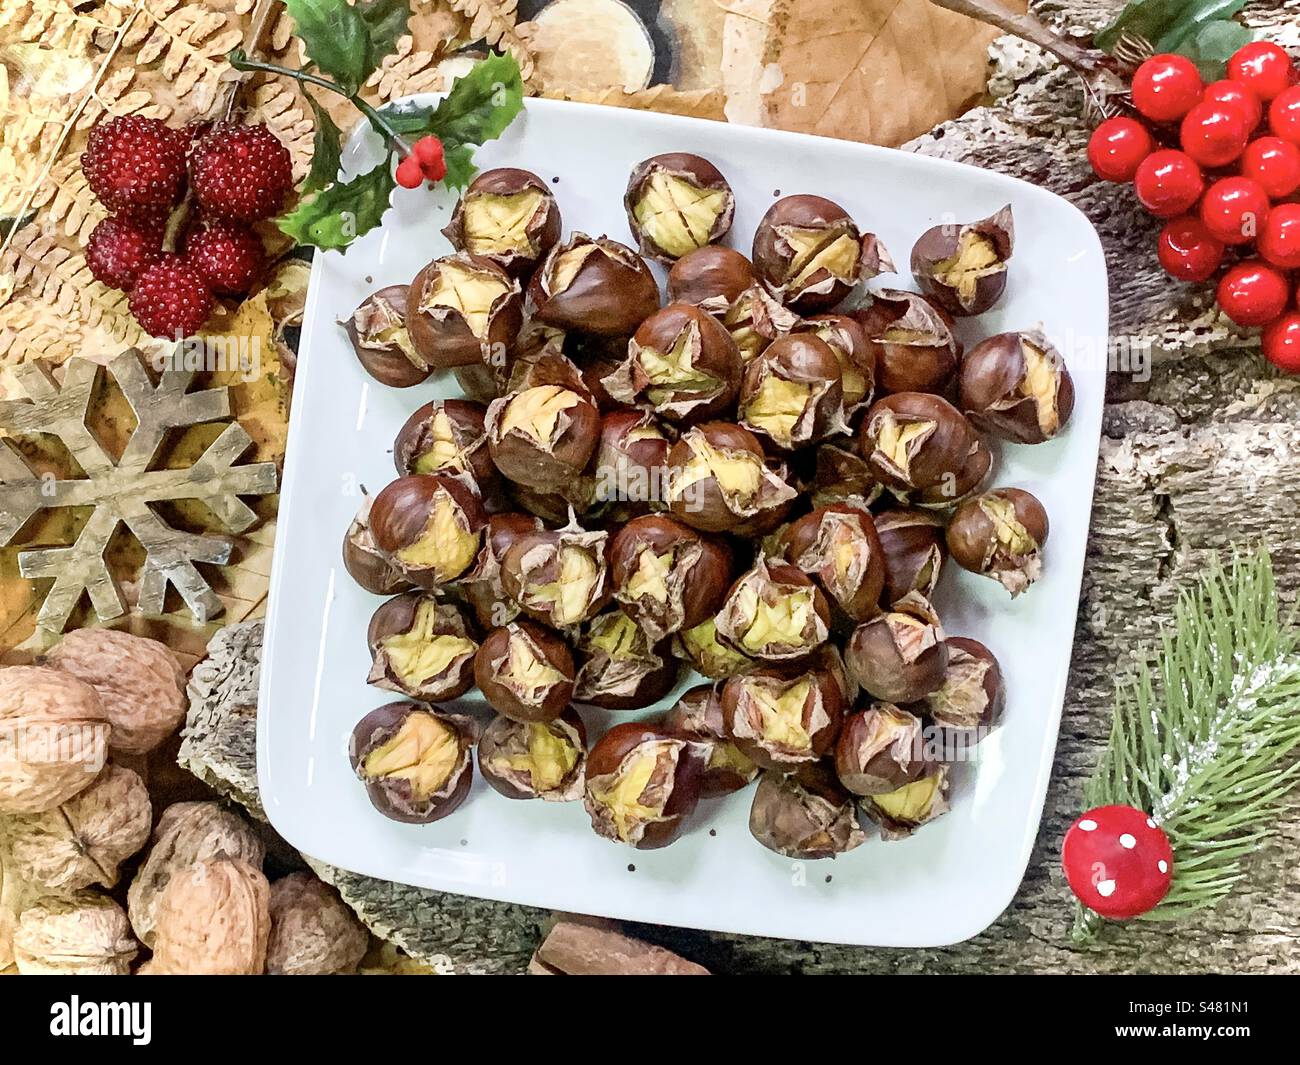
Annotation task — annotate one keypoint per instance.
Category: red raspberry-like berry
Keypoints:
(1117, 147)
(1188, 251)
(1166, 87)
(1168, 183)
(1262, 67)
(227, 255)
(1214, 134)
(1279, 240)
(119, 249)
(132, 163)
(240, 172)
(1253, 293)
(1235, 209)
(1234, 94)
(170, 299)
(1281, 343)
(409, 173)
(1274, 164)
(1284, 115)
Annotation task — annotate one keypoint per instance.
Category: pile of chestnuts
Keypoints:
(757, 479)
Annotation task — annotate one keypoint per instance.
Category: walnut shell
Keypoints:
(83, 841)
(53, 738)
(187, 833)
(139, 681)
(213, 920)
(86, 935)
(312, 932)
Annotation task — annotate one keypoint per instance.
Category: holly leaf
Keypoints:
(386, 20)
(1186, 30)
(337, 40)
(1214, 46)
(407, 118)
(334, 217)
(460, 166)
(326, 150)
(481, 104)
(1165, 23)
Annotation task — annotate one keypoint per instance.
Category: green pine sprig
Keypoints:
(1203, 736)
(1206, 31)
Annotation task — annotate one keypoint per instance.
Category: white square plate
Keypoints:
(944, 884)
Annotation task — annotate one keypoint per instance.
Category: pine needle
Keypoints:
(1202, 736)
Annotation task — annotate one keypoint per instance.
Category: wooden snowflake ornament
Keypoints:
(124, 490)
(1118, 861)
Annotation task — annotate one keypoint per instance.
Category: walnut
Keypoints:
(85, 935)
(53, 738)
(83, 841)
(213, 920)
(187, 832)
(312, 932)
(140, 683)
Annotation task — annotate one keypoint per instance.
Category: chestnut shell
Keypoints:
(997, 396)
(613, 749)
(698, 715)
(805, 815)
(547, 647)
(611, 293)
(445, 338)
(698, 172)
(542, 230)
(388, 364)
(711, 278)
(393, 799)
(568, 727)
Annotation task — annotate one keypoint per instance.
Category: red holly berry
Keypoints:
(118, 249)
(1284, 115)
(1274, 164)
(170, 299)
(429, 151)
(1117, 861)
(1279, 240)
(1166, 87)
(1263, 67)
(1117, 147)
(1168, 183)
(1235, 209)
(240, 172)
(1253, 293)
(227, 255)
(1214, 134)
(1281, 343)
(132, 163)
(1189, 251)
(1236, 95)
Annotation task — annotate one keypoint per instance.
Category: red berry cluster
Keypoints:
(1221, 162)
(139, 169)
(424, 162)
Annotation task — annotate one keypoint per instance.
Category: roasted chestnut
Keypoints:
(1000, 534)
(806, 814)
(842, 476)
(971, 697)
(677, 203)
(377, 330)
(719, 481)
(642, 783)
(711, 278)
(912, 545)
(508, 216)
(1016, 386)
(631, 469)
(558, 577)
(912, 339)
(916, 441)
(708, 655)
(621, 668)
(899, 656)
(430, 525)
(445, 436)
(810, 254)
(838, 548)
(525, 672)
(363, 560)
(461, 310)
(792, 394)
(481, 586)
(542, 437)
(857, 358)
(554, 507)
(880, 749)
(901, 812)
(963, 268)
(775, 613)
(421, 646)
(698, 716)
(482, 382)
(594, 285)
(956, 489)
(755, 319)
(666, 576)
(783, 720)
(535, 759)
(414, 762)
(680, 362)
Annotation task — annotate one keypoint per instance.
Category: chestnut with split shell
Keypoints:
(711, 278)
(414, 762)
(837, 547)
(708, 655)
(841, 476)
(856, 356)
(508, 216)
(421, 646)
(1016, 386)
(680, 362)
(429, 525)
(719, 481)
(378, 333)
(698, 716)
(677, 203)
(525, 672)
(774, 612)
(363, 560)
(755, 319)
(793, 393)
(810, 254)
(1000, 534)
(970, 700)
(535, 759)
(880, 749)
(621, 668)
(782, 719)
(899, 656)
(912, 544)
(915, 347)
(917, 442)
(955, 488)
(631, 471)
(481, 585)
(642, 783)
(463, 309)
(805, 815)
(963, 268)
(595, 286)
(445, 436)
(902, 811)
(542, 437)
(560, 577)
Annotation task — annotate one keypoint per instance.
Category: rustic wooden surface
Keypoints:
(1204, 455)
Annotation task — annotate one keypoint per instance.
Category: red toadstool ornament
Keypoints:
(1118, 861)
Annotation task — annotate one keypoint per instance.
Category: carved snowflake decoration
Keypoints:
(123, 491)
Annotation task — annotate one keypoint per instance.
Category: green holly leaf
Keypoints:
(337, 40)
(1214, 45)
(1197, 17)
(1166, 24)
(407, 118)
(386, 20)
(460, 165)
(334, 217)
(326, 150)
(481, 104)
